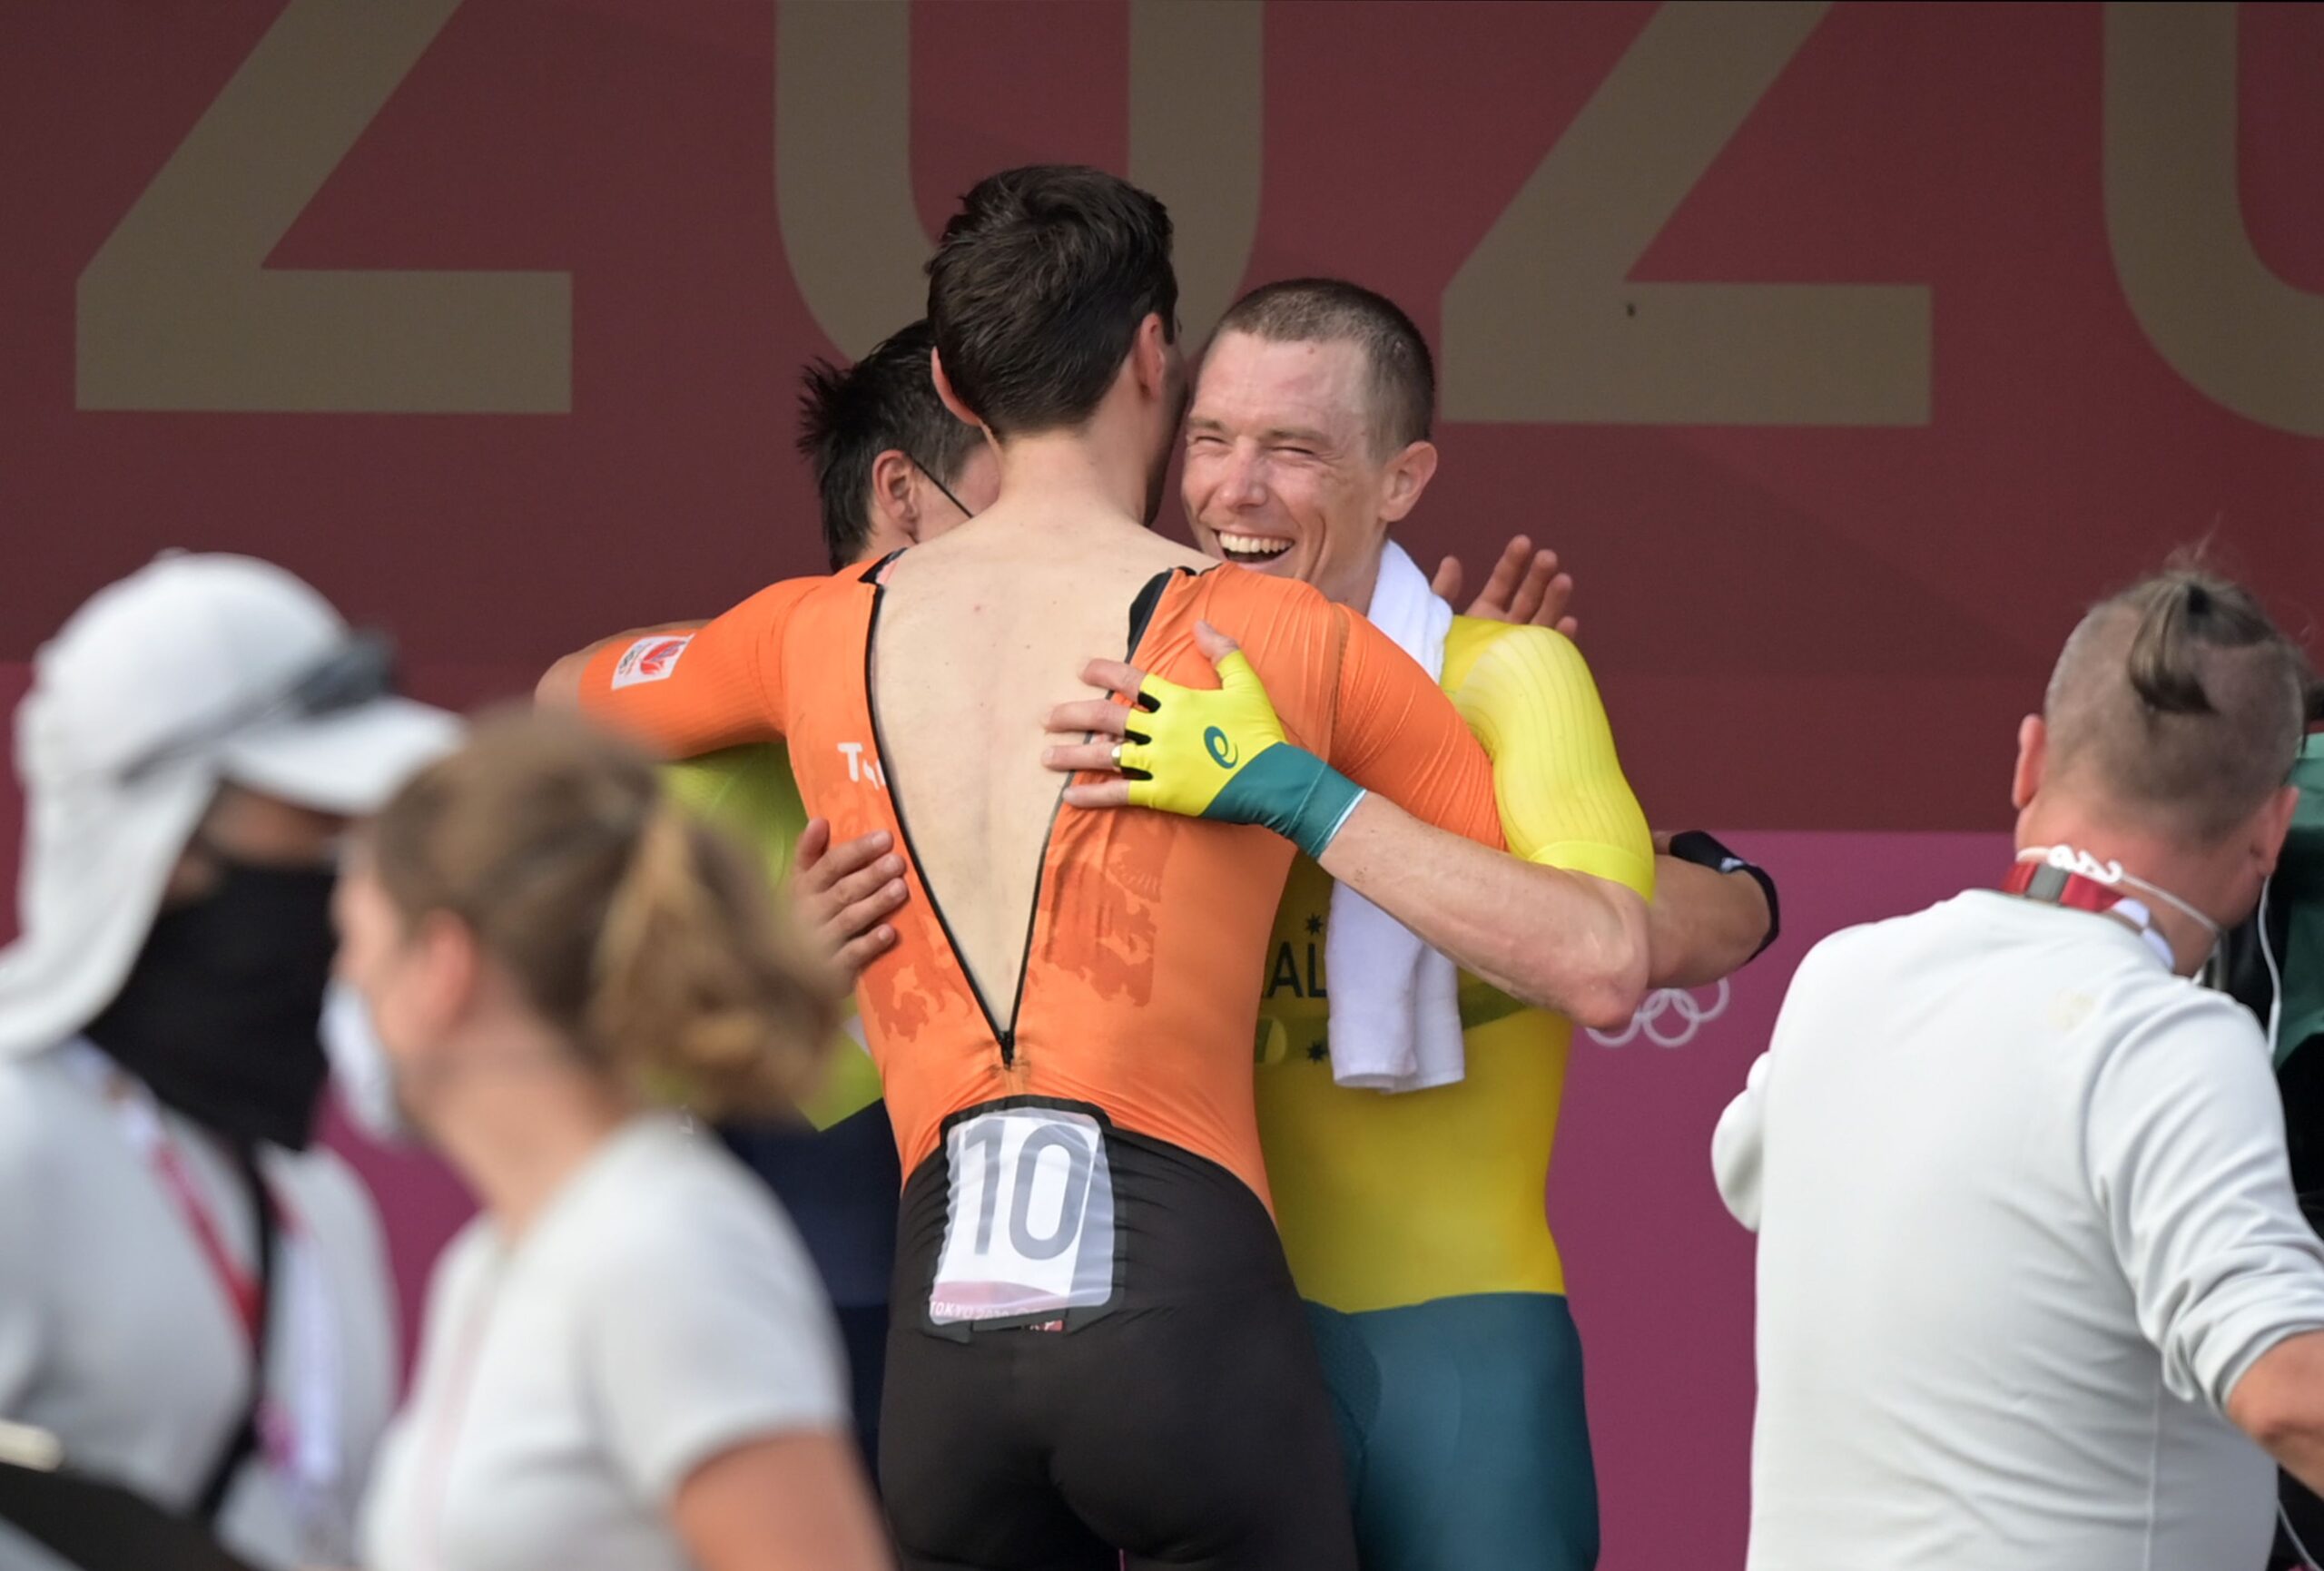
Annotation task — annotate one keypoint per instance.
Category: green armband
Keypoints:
(1293, 792)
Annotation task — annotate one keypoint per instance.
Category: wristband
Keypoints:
(1704, 849)
(1220, 753)
(1293, 792)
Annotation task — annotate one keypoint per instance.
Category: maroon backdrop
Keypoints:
(1804, 628)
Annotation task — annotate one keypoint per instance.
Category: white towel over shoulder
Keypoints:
(1396, 1013)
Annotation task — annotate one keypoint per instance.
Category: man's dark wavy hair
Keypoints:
(1037, 290)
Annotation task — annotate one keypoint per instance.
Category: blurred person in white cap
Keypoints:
(194, 1299)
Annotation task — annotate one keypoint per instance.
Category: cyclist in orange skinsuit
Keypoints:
(1086, 1161)
(1095, 1338)
(1153, 1027)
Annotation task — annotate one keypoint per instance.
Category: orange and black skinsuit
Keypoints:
(1097, 1341)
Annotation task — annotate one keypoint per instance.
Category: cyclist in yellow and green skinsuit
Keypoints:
(1415, 1221)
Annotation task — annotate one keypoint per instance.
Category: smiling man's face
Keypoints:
(1282, 475)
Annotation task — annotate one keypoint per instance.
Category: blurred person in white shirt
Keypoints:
(2032, 1279)
(194, 1299)
(629, 1362)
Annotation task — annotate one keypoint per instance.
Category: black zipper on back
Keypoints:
(1141, 611)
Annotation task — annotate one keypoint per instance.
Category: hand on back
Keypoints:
(1216, 753)
(844, 894)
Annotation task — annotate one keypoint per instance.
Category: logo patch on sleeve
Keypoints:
(649, 660)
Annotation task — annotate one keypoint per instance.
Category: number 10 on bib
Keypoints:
(1029, 1224)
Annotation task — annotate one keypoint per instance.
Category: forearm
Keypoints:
(561, 684)
(2280, 1403)
(1704, 924)
(788, 1503)
(2300, 1453)
(1561, 940)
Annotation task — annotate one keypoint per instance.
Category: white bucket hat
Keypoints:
(194, 670)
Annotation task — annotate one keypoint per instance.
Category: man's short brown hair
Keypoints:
(2178, 701)
(1402, 375)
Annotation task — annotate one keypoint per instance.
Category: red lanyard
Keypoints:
(141, 1125)
(300, 1437)
(2043, 881)
(2060, 886)
(241, 1288)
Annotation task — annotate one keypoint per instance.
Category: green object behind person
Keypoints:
(2297, 889)
(749, 793)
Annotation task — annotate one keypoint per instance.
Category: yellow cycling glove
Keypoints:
(1221, 755)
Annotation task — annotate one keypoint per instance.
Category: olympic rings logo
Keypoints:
(1691, 1016)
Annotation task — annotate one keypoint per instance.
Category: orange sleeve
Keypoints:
(719, 686)
(1394, 731)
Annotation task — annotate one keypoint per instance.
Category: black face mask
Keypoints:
(219, 1015)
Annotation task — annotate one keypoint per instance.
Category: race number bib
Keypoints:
(1030, 1225)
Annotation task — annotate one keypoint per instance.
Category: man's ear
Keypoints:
(1149, 355)
(2270, 824)
(2032, 755)
(1407, 476)
(895, 500)
(944, 390)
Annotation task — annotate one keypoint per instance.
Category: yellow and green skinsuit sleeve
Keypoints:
(1527, 695)
(749, 793)
(1529, 699)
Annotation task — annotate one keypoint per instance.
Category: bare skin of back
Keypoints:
(978, 634)
(981, 632)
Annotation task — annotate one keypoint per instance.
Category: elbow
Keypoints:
(2262, 1410)
(1607, 1001)
(1628, 969)
(1612, 981)
(2271, 1412)
(2276, 1401)
(560, 684)
(2271, 1428)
